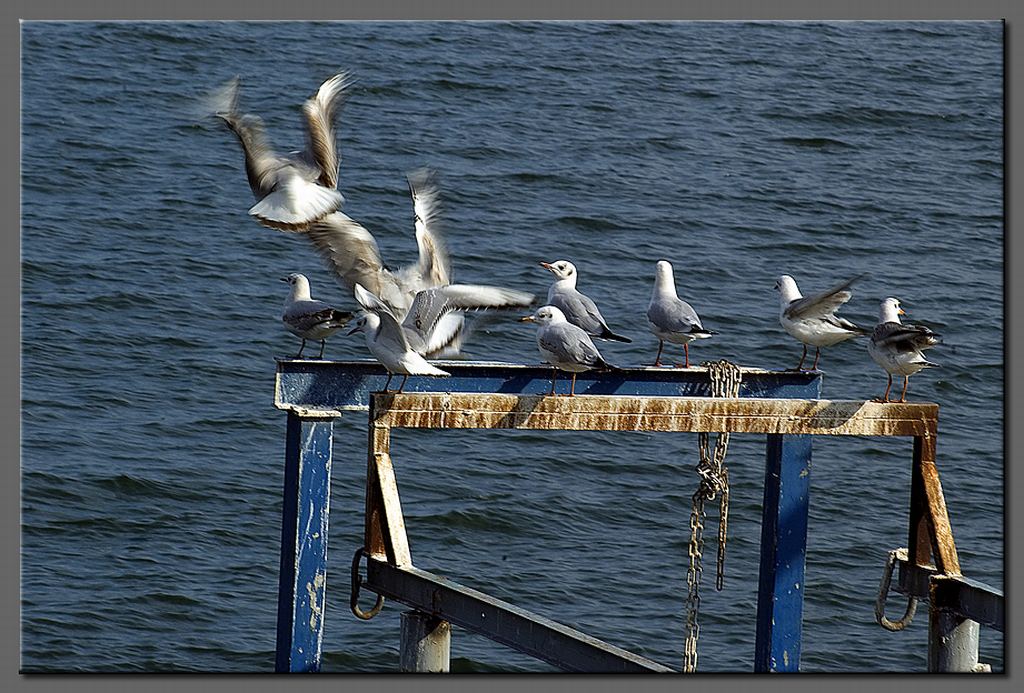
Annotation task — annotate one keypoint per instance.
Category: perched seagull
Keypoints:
(307, 318)
(671, 319)
(577, 308)
(387, 342)
(428, 327)
(294, 191)
(812, 320)
(899, 348)
(564, 345)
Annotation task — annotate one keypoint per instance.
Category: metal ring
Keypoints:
(357, 581)
(883, 594)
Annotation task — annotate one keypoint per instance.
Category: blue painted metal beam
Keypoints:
(783, 551)
(303, 577)
(341, 385)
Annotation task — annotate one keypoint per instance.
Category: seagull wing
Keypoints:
(352, 254)
(434, 264)
(822, 304)
(904, 338)
(320, 111)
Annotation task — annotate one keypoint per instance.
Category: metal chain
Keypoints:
(714, 482)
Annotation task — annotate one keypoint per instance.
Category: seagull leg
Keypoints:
(686, 350)
(800, 366)
(572, 387)
(906, 381)
(299, 355)
(387, 382)
(885, 397)
(657, 359)
(323, 343)
(817, 352)
(404, 378)
(554, 374)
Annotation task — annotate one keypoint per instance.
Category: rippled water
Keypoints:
(152, 454)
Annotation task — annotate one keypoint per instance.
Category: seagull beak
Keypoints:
(528, 318)
(547, 266)
(901, 311)
(284, 279)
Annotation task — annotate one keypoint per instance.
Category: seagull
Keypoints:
(386, 340)
(428, 326)
(291, 191)
(564, 345)
(352, 254)
(899, 348)
(671, 319)
(577, 308)
(307, 318)
(812, 320)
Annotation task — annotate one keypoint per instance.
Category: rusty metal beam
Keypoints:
(929, 520)
(385, 535)
(633, 413)
(502, 622)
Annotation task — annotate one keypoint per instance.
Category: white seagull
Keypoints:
(428, 326)
(577, 307)
(308, 318)
(564, 345)
(386, 340)
(812, 320)
(899, 348)
(292, 191)
(672, 319)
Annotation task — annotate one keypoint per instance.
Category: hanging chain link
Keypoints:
(714, 482)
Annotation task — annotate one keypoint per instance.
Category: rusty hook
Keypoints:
(357, 581)
(883, 594)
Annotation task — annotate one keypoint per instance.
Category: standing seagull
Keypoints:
(672, 319)
(899, 348)
(307, 318)
(386, 340)
(812, 320)
(577, 308)
(564, 345)
(295, 191)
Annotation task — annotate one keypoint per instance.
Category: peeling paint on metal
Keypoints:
(314, 590)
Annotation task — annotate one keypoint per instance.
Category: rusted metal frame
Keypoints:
(968, 598)
(385, 536)
(930, 531)
(521, 630)
(635, 413)
(303, 570)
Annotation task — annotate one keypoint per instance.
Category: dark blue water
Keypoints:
(152, 454)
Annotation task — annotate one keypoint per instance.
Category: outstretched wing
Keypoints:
(434, 264)
(320, 111)
(821, 305)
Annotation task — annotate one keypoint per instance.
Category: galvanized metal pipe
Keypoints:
(425, 643)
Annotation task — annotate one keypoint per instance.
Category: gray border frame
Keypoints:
(463, 9)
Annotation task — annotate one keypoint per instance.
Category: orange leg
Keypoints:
(572, 387)
(885, 397)
(657, 359)
(817, 352)
(906, 381)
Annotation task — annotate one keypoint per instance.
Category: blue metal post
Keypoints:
(780, 596)
(303, 580)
